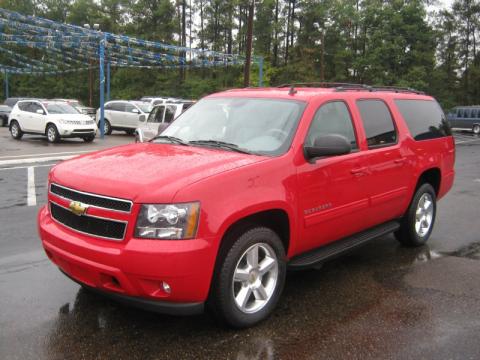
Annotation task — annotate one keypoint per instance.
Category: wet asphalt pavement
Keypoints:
(382, 301)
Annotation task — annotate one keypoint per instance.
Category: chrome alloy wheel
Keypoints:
(424, 215)
(255, 278)
(14, 130)
(51, 135)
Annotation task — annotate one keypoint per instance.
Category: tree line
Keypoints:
(379, 42)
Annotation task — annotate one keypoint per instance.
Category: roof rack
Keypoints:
(351, 87)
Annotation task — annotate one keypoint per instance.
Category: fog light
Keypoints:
(166, 287)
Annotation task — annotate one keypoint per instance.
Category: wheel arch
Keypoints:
(50, 122)
(432, 176)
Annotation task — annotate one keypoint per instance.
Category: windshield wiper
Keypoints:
(172, 139)
(221, 144)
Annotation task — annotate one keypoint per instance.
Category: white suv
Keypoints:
(160, 117)
(54, 119)
(123, 115)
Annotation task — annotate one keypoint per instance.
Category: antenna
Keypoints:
(292, 90)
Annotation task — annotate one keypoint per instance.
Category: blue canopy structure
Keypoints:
(69, 48)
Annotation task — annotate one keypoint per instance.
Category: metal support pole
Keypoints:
(6, 85)
(260, 71)
(108, 80)
(102, 85)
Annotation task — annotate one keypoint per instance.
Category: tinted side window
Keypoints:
(118, 106)
(332, 118)
(33, 107)
(128, 108)
(23, 106)
(425, 119)
(108, 106)
(170, 114)
(377, 122)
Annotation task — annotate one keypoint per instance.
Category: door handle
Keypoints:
(400, 161)
(358, 171)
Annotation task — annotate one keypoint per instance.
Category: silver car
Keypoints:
(123, 115)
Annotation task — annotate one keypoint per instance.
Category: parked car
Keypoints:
(4, 113)
(123, 115)
(54, 119)
(153, 101)
(159, 118)
(243, 185)
(82, 109)
(465, 118)
(11, 101)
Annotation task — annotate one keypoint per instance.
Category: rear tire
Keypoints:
(15, 130)
(4, 121)
(250, 279)
(417, 224)
(52, 133)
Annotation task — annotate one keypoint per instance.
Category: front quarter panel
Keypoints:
(233, 195)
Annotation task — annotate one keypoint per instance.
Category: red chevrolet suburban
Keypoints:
(244, 185)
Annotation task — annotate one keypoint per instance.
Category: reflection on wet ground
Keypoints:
(377, 302)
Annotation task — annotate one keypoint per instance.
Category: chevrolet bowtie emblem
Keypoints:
(78, 208)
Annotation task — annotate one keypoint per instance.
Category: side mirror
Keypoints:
(328, 145)
(40, 111)
(135, 111)
(142, 118)
(139, 138)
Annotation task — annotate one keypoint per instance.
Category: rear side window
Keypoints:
(425, 119)
(377, 122)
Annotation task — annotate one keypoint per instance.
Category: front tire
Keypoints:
(250, 280)
(52, 133)
(107, 127)
(89, 139)
(476, 129)
(417, 224)
(15, 130)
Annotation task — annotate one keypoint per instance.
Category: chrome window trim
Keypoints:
(92, 216)
(90, 194)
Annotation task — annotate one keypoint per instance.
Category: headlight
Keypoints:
(169, 221)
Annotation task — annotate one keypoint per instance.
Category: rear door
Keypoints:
(332, 189)
(24, 116)
(116, 114)
(389, 173)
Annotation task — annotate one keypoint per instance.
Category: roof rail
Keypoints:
(352, 87)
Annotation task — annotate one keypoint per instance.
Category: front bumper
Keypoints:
(77, 130)
(133, 271)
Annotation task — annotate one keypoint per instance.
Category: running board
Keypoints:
(338, 247)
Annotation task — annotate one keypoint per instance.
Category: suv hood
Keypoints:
(146, 172)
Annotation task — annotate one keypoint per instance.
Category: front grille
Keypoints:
(88, 224)
(91, 199)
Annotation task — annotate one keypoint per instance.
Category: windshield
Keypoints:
(60, 108)
(262, 126)
(144, 106)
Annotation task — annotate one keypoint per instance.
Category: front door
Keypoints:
(38, 121)
(154, 120)
(332, 195)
